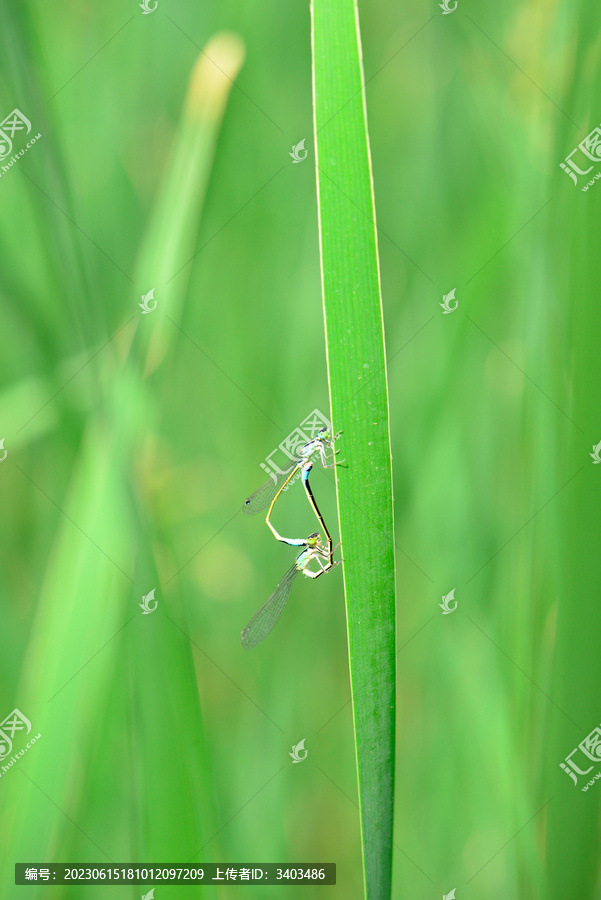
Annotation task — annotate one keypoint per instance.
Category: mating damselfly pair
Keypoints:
(313, 550)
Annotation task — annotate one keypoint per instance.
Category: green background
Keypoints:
(161, 739)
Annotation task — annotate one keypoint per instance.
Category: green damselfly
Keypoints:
(264, 620)
(267, 494)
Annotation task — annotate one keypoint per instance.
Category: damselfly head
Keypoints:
(328, 437)
(314, 540)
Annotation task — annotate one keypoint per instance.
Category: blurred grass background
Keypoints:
(161, 738)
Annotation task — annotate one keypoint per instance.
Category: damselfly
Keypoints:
(267, 494)
(264, 620)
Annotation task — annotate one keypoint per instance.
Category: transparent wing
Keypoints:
(262, 497)
(262, 622)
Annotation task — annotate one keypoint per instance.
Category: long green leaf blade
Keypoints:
(359, 404)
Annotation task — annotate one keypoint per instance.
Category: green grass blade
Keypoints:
(359, 404)
(169, 244)
(91, 660)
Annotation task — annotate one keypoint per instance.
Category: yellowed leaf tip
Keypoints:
(214, 73)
